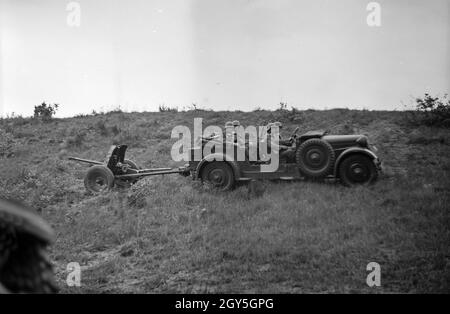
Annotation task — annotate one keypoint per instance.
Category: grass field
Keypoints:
(170, 234)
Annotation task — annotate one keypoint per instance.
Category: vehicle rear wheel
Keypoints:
(219, 175)
(315, 158)
(357, 170)
(99, 178)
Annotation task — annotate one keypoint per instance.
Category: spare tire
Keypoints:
(315, 158)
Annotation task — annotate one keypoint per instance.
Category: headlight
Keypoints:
(362, 141)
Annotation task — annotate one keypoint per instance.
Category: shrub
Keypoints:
(432, 111)
(118, 109)
(138, 193)
(164, 108)
(282, 106)
(45, 111)
(192, 107)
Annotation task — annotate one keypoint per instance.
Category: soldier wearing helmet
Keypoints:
(285, 146)
(228, 132)
(236, 139)
(287, 142)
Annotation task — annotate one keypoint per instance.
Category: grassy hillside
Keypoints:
(169, 234)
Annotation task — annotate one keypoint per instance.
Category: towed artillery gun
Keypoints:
(118, 171)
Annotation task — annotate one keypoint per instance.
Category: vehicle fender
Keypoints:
(350, 151)
(218, 157)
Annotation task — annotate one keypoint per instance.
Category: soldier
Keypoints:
(287, 142)
(236, 138)
(285, 146)
(228, 132)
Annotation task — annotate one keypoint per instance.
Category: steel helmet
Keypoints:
(278, 124)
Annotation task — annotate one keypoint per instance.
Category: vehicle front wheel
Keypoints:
(357, 170)
(219, 175)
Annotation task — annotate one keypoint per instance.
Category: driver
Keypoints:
(228, 136)
(286, 151)
(287, 142)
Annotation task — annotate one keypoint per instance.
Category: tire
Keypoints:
(99, 178)
(219, 175)
(131, 163)
(357, 169)
(315, 158)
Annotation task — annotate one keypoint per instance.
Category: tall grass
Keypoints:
(170, 234)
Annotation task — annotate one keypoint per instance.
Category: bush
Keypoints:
(432, 111)
(282, 106)
(138, 194)
(164, 108)
(45, 111)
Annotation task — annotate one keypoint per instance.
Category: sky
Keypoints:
(221, 54)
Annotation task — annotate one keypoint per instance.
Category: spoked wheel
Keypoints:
(357, 170)
(99, 178)
(219, 175)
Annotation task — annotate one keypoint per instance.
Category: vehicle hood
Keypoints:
(342, 141)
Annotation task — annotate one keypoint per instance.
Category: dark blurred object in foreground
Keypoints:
(24, 264)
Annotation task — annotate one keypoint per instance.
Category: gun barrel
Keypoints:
(87, 161)
(152, 172)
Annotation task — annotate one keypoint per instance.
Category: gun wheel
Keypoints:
(99, 178)
(219, 175)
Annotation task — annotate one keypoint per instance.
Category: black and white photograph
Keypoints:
(234, 149)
